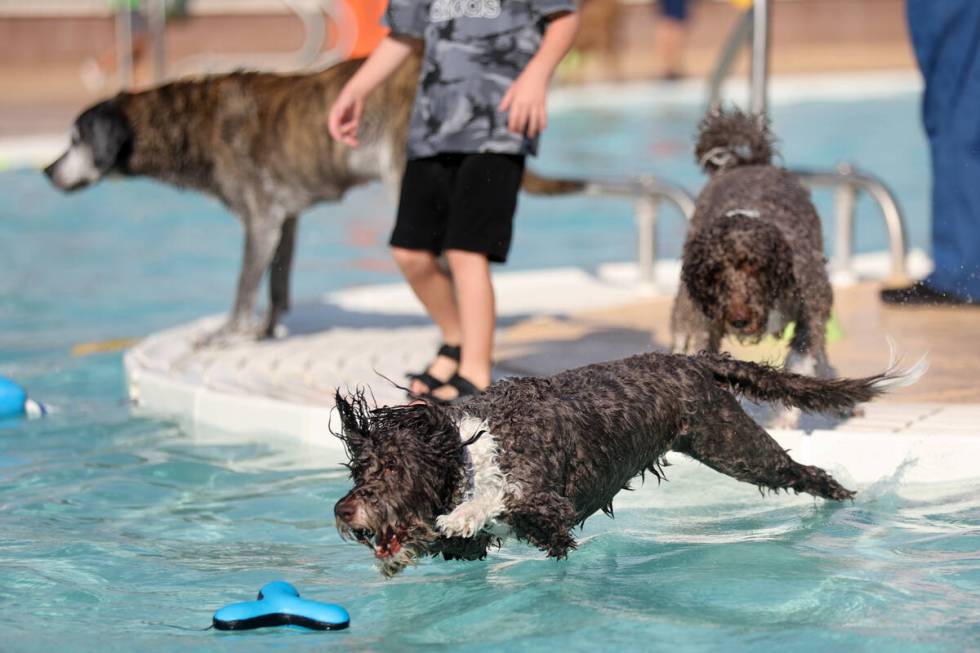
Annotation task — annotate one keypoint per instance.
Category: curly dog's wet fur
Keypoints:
(753, 259)
(533, 457)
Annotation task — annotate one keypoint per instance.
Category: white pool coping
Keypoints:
(284, 388)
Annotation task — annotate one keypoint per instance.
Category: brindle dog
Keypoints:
(259, 143)
(534, 457)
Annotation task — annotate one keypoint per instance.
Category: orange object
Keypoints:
(369, 29)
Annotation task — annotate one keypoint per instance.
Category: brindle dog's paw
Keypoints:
(228, 335)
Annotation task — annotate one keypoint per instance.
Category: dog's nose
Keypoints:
(740, 323)
(345, 510)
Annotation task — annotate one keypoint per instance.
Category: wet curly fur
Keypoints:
(566, 445)
(753, 259)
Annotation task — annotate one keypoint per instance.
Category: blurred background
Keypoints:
(57, 55)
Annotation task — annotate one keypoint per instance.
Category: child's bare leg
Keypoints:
(477, 315)
(434, 288)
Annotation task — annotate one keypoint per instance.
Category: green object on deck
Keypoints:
(834, 332)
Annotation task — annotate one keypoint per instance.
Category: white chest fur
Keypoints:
(488, 486)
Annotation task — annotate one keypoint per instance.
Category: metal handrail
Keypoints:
(309, 55)
(648, 192)
(124, 48)
(759, 76)
(848, 182)
(738, 38)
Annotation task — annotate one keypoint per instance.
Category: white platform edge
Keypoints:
(863, 456)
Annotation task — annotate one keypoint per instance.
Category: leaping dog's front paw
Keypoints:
(464, 521)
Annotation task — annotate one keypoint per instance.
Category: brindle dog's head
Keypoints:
(736, 269)
(407, 466)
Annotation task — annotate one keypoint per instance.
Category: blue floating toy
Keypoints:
(279, 604)
(14, 401)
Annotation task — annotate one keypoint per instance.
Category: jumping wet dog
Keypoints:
(534, 457)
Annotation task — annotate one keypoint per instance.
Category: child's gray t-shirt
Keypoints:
(474, 50)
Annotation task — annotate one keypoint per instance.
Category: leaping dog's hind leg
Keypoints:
(733, 444)
(279, 273)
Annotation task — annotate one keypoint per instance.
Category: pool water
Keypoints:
(122, 532)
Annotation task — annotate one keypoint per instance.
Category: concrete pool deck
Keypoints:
(553, 320)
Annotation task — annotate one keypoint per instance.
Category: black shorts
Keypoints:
(459, 201)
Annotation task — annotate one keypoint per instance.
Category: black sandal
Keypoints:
(464, 389)
(451, 352)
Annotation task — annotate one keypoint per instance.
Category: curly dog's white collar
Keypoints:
(745, 213)
(488, 485)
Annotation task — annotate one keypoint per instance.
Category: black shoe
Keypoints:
(464, 389)
(451, 352)
(920, 294)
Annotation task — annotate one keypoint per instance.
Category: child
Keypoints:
(479, 109)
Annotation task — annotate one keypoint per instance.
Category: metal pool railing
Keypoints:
(311, 13)
(650, 192)
(847, 183)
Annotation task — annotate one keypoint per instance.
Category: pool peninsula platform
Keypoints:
(556, 319)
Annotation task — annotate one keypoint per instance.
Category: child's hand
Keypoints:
(525, 102)
(345, 117)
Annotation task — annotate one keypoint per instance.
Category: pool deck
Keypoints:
(553, 320)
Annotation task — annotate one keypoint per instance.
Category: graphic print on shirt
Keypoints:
(474, 50)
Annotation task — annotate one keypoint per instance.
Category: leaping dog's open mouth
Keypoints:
(385, 545)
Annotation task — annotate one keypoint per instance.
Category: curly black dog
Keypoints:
(533, 457)
(753, 258)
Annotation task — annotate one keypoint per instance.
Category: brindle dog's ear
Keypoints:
(354, 419)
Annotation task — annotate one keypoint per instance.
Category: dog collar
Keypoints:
(745, 213)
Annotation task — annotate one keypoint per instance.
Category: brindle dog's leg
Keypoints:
(545, 519)
(261, 238)
(279, 273)
(735, 445)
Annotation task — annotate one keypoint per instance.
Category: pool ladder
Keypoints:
(311, 14)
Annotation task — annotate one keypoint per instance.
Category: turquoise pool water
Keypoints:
(120, 532)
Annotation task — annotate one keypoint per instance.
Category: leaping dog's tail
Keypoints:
(766, 383)
(728, 139)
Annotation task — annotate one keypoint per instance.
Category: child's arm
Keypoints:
(525, 99)
(345, 113)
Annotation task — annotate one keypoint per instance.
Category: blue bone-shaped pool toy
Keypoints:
(279, 604)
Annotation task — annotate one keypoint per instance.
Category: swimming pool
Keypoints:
(126, 533)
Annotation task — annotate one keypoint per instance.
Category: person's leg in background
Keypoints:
(946, 38)
(416, 243)
(671, 30)
(479, 232)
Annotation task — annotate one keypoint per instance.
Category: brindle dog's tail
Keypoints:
(766, 383)
(728, 139)
(538, 185)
